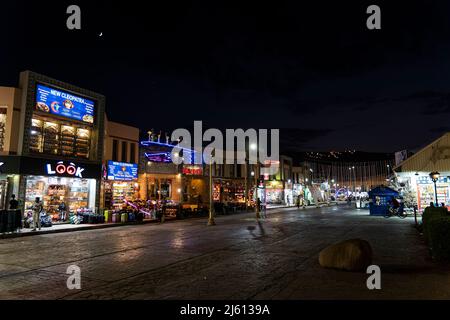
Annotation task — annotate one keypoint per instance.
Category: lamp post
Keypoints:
(354, 179)
(435, 177)
(254, 146)
(256, 191)
(211, 221)
(246, 185)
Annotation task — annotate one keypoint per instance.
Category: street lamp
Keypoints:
(211, 221)
(435, 177)
(256, 174)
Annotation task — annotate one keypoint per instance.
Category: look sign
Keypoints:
(60, 169)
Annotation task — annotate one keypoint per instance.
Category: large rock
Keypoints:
(350, 255)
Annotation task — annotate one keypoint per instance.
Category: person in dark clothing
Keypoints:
(258, 203)
(13, 203)
(62, 211)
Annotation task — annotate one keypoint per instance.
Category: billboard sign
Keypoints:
(64, 104)
(122, 171)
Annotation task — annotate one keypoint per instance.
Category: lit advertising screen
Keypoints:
(64, 104)
(122, 171)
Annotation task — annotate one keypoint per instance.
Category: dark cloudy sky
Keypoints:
(315, 70)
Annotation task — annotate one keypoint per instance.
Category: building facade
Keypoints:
(120, 163)
(52, 144)
(413, 174)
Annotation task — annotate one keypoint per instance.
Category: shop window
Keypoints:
(2, 127)
(122, 191)
(152, 190)
(124, 151)
(59, 138)
(76, 194)
(82, 143)
(166, 190)
(115, 150)
(133, 152)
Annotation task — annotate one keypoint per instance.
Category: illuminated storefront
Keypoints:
(423, 187)
(120, 185)
(229, 190)
(161, 179)
(52, 181)
(274, 192)
(58, 148)
(413, 174)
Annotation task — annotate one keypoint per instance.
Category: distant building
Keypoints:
(120, 161)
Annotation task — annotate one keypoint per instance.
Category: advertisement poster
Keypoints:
(64, 104)
(122, 171)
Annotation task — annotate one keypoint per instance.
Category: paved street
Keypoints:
(240, 258)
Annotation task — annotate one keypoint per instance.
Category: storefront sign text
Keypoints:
(61, 169)
(192, 171)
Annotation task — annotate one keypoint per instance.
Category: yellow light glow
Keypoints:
(50, 124)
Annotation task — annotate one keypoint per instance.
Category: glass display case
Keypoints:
(67, 141)
(82, 143)
(51, 137)
(36, 135)
(75, 193)
(59, 138)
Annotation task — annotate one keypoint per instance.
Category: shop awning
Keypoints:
(434, 157)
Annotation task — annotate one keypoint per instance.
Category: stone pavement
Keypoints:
(239, 258)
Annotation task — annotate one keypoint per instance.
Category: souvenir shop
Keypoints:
(120, 186)
(274, 192)
(229, 190)
(64, 187)
(422, 185)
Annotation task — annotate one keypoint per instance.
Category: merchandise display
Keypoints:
(36, 135)
(55, 195)
(107, 195)
(120, 192)
(51, 138)
(58, 138)
(67, 141)
(74, 193)
(85, 216)
(82, 143)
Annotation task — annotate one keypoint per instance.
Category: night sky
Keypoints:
(315, 71)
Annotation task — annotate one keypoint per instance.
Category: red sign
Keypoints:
(193, 170)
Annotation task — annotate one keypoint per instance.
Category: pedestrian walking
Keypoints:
(13, 203)
(298, 202)
(37, 209)
(265, 210)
